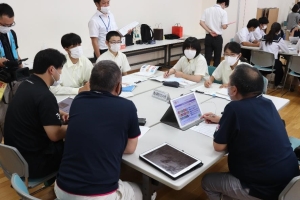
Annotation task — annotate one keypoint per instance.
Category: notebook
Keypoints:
(147, 70)
(183, 113)
(65, 104)
(171, 161)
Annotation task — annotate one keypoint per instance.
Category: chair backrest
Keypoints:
(211, 70)
(12, 162)
(262, 58)
(291, 191)
(21, 188)
(294, 64)
(265, 85)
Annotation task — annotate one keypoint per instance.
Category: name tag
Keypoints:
(161, 95)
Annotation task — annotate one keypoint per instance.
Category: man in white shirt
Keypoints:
(100, 24)
(113, 41)
(76, 71)
(214, 20)
(260, 30)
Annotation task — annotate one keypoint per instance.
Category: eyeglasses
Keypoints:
(115, 42)
(10, 25)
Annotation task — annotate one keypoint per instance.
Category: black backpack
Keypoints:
(146, 33)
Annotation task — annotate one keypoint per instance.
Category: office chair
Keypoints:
(21, 188)
(292, 70)
(291, 191)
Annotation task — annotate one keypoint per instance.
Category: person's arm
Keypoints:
(220, 147)
(282, 45)
(169, 72)
(56, 133)
(95, 46)
(250, 44)
(225, 20)
(211, 32)
(195, 78)
(94, 31)
(2, 60)
(292, 33)
(131, 146)
(59, 89)
(208, 82)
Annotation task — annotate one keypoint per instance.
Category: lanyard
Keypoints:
(105, 24)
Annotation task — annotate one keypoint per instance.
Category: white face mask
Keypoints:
(264, 27)
(56, 82)
(105, 10)
(115, 47)
(190, 54)
(231, 60)
(76, 52)
(4, 29)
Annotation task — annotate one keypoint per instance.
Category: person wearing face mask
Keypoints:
(113, 41)
(232, 54)
(260, 30)
(261, 160)
(293, 17)
(76, 71)
(245, 37)
(192, 66)
(100, 24)
(33, 123)
(272, 42)
(110, 128)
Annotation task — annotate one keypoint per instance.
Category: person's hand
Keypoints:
(64, 116)
(214, 34)
(224, 86)
(211, 118)
(84, 88)
(207, 83)
(179, 74)
(129, 31)
(167, 74)
(2, 60)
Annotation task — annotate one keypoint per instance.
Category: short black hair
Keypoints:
(253, 23)
(295, 8)
(247, 80)
(97, 1)
(192, 42)
(46, 58)
(5, 9)
(263, 20)
(70, 39)
(112, 34)
(223, 1)
(234, 47)
(105, 75)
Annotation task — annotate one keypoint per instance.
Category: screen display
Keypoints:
(186, 109)
(65, 104)
(170, 159)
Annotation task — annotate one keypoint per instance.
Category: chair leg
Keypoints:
(291, 83)
(286, 74)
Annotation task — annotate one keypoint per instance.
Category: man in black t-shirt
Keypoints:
(33, 119)
(261, 160)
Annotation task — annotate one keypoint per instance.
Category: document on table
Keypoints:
(147, 71)
(132, 79)
(213, 90)
(206, 129)
(143, 129)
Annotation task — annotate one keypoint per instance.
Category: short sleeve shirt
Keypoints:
(260, 154)
(244, 35)
(100, 125)
(120, 60)
(258, 33)
(196, 66)
(32, 108)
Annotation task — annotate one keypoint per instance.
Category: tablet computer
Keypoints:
(65, 104)
(171, 161)
(187, 111)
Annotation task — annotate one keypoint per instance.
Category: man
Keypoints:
(33, 120)
(214, 20)
(8, 52)
(246, 38)
(261, 161)
(260, 30)
(100, 24)
(113, 41)
(76, 71)
(102, 127)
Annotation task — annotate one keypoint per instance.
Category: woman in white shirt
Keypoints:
(193, 65)
(272, 42)
(233, 57)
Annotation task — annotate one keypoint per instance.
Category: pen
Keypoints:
(137, 82)
(197, 91)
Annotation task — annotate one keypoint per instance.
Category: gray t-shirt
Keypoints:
(292, 20)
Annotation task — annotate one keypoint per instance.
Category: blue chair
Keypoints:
(21, 188)
(263, 60)
(292, 70)
(211, 70)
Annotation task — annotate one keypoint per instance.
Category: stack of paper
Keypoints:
(182, 82)
(206, 129)
(147, 70)
(213, 90)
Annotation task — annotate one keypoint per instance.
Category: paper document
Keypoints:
(231, 23)
(182, 82)
(213, 90)
(206, 129)
(126, 94)
(147, 70)
(144, 129)
(132, 79)
(123, 31)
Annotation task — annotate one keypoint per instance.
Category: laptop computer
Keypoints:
(65, 104)
(183, 113)
(294, 40)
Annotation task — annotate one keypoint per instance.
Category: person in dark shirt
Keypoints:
(102, 127)
(261, 160)
(33, 119)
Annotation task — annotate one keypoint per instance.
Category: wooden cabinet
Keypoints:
(270, 13)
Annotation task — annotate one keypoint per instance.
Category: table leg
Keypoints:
(165, 59)
(149, 186)
(169, 54)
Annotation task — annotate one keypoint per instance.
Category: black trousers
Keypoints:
(213, 45)
(246, 53)
(101, 52)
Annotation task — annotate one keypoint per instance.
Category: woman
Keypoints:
(193, 65)
(272, 42)
(232, 55)
(293, 18)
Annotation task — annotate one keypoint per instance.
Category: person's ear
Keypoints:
(107, 43)
(118, 88)
(234, 91)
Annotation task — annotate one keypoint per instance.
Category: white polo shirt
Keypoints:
(196, 66)
(120, 59)
(258, 33)
(244, 35)
(277, 44)
(99, 25)
(223, 71)
(73, 76)
(214, 17)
